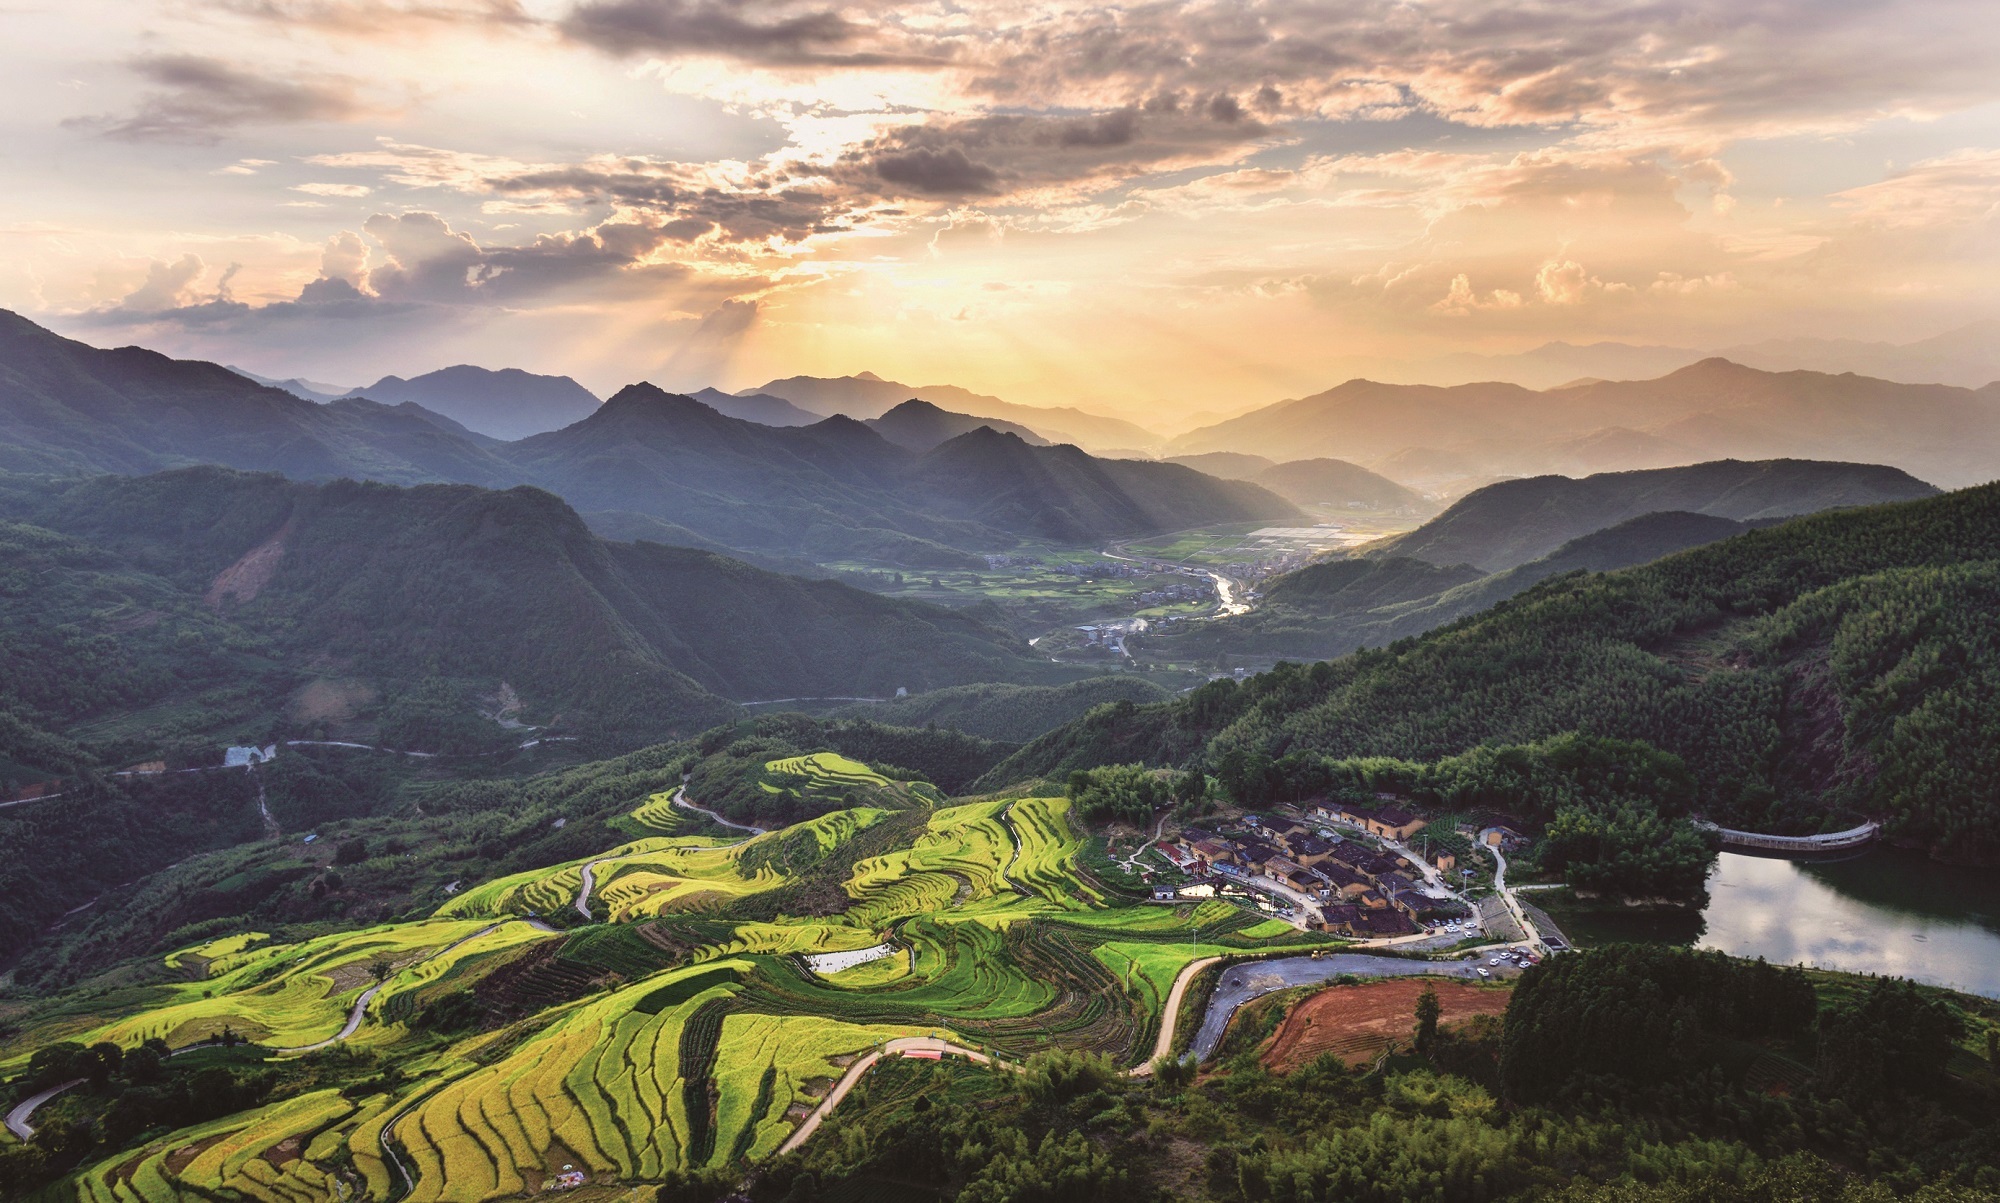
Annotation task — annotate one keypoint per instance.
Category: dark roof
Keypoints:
(1310, 845)
(1393, 816)
(1342, 876)
(1382, 923)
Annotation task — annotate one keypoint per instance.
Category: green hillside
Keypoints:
(1510, 523)
(1833, 667)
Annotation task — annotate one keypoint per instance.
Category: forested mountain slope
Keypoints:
(1832, 667)
(217, 603)
(1514, 521)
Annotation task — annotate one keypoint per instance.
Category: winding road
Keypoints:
(681, 800)
(17, 1119)
(589, 876)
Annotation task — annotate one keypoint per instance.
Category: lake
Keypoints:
(1884, 911)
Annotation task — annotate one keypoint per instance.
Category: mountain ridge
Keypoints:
(1712, 409)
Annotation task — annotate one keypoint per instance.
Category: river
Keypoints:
(1884, 911)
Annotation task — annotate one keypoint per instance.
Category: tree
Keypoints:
(104, 1061)
(381, 969)
(1428, 1012)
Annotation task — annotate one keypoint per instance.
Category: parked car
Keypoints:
(1483, 972)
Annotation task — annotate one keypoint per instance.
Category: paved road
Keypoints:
(897, 1047)
(1254, 979)
(1507, 896)
(17, 1119)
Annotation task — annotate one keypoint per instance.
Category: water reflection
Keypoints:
(1882, 912)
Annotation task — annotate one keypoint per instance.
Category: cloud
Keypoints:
(771, 32)
(1952, 189)
(167, 285)
(1010, 154)
(1460, 300)
(377, 18)
(928, 172)
(201, 98)
(347, 190)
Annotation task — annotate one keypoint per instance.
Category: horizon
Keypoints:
(1149, 211)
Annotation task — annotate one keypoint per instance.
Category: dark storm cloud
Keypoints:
(200, 98)
(998, 155)
(761, 31)
(927, 172)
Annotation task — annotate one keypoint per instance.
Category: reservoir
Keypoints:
(1885, 911)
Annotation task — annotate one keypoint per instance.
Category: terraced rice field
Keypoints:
(288, 995)
(263, 1157)
(830, 776)
(681, 1033)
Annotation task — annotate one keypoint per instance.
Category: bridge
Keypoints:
(1832, 841)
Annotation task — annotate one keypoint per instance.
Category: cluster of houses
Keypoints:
(1193, 591)
(1361, 891)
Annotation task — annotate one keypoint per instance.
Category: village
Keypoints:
(1337, 867)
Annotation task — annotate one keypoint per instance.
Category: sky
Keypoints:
(1142, 208)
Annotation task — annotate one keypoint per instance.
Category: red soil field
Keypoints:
(1355, 1023)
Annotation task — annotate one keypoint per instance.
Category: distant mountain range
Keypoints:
(1508, 537)
(1430, 437)
(869, 396)
(1968, 356)
(761, 408)
(919, 426)
(506, 404)
(835, 489)
(1310, 481)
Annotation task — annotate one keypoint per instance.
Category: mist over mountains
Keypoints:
(1968, 356)
(1425, 435)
